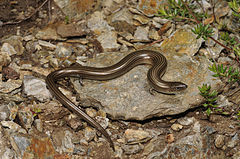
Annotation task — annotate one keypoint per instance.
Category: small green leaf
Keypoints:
(208, 111)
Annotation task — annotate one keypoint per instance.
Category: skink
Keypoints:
(154, 75)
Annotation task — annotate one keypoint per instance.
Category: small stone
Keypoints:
(153, 34)
(28, 38)
(63, 51)
(91, 112)
(47, 44)
(108, 41)
(233, 142)
(70, 30)
(173, 120)
(35, 87)
(136, 136)
(5, 59)
(196, 127)
(170, 138)
(141, 34)
(54, 62)
(177, 127)
(20, 143)
(49, 33)
(25, 116)
(10, 85)
(4, 112)
(84, 142)
(160, 20)
(16, 43)
(75, 124)
(89, 134)
(9, 49)
(120, 40)
(38, 124)
(219, 141)
(210, 130)
(14, 127)
(140, 18)
(186, 121)
(132, 149)
(102, 121)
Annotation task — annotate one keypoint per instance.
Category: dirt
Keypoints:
(14, 11)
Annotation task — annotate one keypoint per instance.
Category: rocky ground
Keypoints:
(40, 36)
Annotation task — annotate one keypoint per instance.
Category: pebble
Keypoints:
(186, 121)
(136, 136)
(219, 141)
(177, 127)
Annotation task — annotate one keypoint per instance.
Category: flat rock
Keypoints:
(128, 97)
(33, 86)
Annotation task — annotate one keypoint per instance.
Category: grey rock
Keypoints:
(5, 151)
(160, 20)
(223, 101)
(49, 33)
(89, 133)
(63, 141)
(39, 125)
(20, 143)
(122, 15)
(132, 149)
(107, 37)
(141, 34)
(108, 41)
(6, 47)
(234, 141)
(16, 43)
(62, 51)
(4, 112)
(47, 44)
(127, 97)
(36, 87)
(195, 145)
(10, 85)
(186, 120)
(210, 130)
(97, 23)
(13, 127)
(28, 38)
(136, 136)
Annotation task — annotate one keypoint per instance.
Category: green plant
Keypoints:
(67, 19)
(203, 31)
(235, 6)
(175, 9)
(210, 100)
(236, 50)
(35, 111)
(238, 115)
(228, 40)
(210, 97)
(233, 75)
